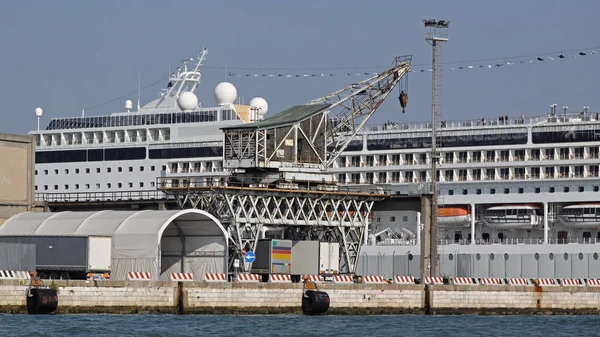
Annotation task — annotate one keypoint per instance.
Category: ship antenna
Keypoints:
(139, 89)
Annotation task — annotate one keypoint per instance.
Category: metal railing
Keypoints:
(100, 196)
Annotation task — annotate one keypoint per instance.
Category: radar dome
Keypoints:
(225, 93)
(187, 101)
(39, 112)
(260, 104)
(128, 104)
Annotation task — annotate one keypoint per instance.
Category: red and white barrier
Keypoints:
(463, 281)
(138, 276)
(276, 278)
(373, 279)
(181, 277)
(313, 278)
(593, 282)
(404, 280)
(546, 282)
(14, 275)
(571, 282)
(518, 282)
(215, 278)
(434, 280)
(248, 278)
(491, 281)
(343, 279)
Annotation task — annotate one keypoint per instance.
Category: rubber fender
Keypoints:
(315, 302)
(41, 301)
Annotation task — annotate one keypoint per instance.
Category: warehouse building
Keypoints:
(16, 175)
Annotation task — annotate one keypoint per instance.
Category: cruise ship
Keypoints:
(524, 186)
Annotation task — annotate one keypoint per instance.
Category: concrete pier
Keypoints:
(125, 297)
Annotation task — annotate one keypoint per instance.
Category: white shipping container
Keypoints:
(329, 258)
(99, 253)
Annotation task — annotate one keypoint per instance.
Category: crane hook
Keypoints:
(403, 100)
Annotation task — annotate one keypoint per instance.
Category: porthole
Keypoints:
(551, 256)
(478, 256)
(492, 256)
(505, 256)
(595, 256)
(566, 256)
(537, 256)
(580, 256)
(450, 257)
(410, 257)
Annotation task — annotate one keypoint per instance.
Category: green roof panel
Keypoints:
(286, 117)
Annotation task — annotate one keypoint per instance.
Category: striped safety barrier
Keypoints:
(463, 281)
(571, 282)
(434, 280)
(593, 282)
(14, 275)
(313, 278)
(373, 279)
(404, 279)
(518, 282)
(546, 282)
(138, 276)
(248, 278)
(277, 278)
(180, 277)
(343, 279)
(215, 278)
(490, 281)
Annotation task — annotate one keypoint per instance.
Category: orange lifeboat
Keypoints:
(454, 216)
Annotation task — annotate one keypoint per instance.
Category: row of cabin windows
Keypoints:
(536, 190)
(98, 185)
(99, 170)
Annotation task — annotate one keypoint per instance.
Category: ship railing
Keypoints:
(100, 196)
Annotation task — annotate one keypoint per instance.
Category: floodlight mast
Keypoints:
(436, 33)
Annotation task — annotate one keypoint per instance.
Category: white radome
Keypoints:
(225, 93)
(187, 101)
(39, 112)
(128, 104)
(260, 104)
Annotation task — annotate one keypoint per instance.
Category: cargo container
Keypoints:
(273, 256)
(69, 257)
(329, 258)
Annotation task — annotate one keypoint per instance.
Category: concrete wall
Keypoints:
(16, 175)
(202, 297)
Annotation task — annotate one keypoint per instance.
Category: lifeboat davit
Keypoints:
(513, 217)
(580, 216)
(454, 217)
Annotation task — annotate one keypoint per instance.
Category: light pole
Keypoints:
(436, 33)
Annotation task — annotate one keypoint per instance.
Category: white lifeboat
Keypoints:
(580, 216)
(513, 217)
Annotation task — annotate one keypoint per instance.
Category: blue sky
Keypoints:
(68, 55)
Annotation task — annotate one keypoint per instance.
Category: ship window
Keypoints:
(76, 186)
(485, 236)
(66, 186)
(392, 219)
(66, 171)
(521, 190)
(450, 257)
(506, 190)
(141, 169)
(595, 256)
(537, 190)
(580, 256)
(130, 184)
(465, 192)
(108, 185)
(87, 170)
(478, 191)
(596, 188)
(35, 187)
(164, 168)
(551, 190)
(492, 256)
(152, 184)
(505, 256)
(152, 168)
(119, 185)
(97, 185)
(130, 168)
(581, 188)
(120, 169)
(98, 170)
(478, 256)
(404, 219)
(536, 256)
(46, 188)
(551, 256)
(108, 169)
(566, 256)
(566, 189)
(450, 192)
(55, 187)
(492, 191)
(55, 171)
(410, 257)
(87, 186)
(36, 172)
(76, 171)
(141, 184)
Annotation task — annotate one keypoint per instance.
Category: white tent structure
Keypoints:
(159, 242)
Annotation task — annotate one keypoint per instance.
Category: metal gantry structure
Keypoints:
(436, 33)
(279, 179)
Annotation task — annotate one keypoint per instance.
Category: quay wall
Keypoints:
(263, 298)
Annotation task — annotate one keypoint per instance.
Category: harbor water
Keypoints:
(297, 325)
